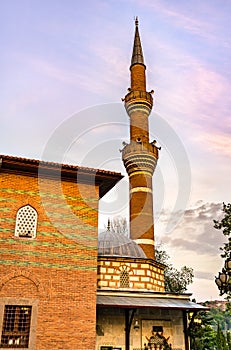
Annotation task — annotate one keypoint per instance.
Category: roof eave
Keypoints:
(106, 180)
(146, 299)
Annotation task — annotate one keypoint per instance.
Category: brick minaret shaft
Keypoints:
(140, 156)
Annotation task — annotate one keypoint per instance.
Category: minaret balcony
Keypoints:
(141, 147)
(140, 156)
(138, 94)
(138, 97)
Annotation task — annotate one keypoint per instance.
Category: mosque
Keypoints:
(63, 285)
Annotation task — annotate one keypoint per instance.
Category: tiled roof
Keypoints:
(105, 179)
(54, 164)
(144, 300)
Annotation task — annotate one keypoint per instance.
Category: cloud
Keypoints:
(203, 275)
(112, 62)
(216, 143)
(189, 18)
(195, 232)
(209, 91)
(195, 243)
(198, 100)
(83, 77)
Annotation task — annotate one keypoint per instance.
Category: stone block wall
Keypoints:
(142, 273)
(111, 322)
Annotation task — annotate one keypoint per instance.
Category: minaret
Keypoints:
(140, 156)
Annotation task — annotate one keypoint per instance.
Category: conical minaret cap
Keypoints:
(137, 54)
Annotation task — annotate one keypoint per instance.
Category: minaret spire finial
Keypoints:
(136, 21)
(137, 54)
(109, 225)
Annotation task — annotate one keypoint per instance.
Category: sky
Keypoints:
(64, 67)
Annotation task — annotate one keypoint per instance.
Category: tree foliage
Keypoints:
(221, 317)
(202, 335)
(176, 281)
(221, 340)
(211, 330)
(225, 225)
(119, 225)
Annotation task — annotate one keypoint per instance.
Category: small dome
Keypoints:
(111, 243)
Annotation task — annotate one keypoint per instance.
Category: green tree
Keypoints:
(225, 225)
(228, 337)
(210, 330)
(223, 318)
(202, 335)
(221, 340)
(176, 281)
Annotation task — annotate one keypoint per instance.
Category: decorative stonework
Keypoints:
(124, 278)
(143, 274)
(26, 222)
(28, 277)
(139, 100)
(139, 161)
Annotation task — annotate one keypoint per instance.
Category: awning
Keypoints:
(147, 302)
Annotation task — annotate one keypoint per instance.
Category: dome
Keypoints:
(111, 243)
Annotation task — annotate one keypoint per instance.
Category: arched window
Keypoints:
(26, 222)
(124, 279)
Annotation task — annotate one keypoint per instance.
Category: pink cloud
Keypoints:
(198, 99)
(182, 20)
(218, 143)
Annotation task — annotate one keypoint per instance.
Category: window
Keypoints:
(124, 279)
(26, 222)
(16, 326)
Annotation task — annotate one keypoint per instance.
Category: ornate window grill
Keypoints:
(26, 222)
(16, 326)
(124, 279)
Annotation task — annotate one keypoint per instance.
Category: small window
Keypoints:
(124, 279)
(26, 222)
(16, 326)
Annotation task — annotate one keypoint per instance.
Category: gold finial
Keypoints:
(136, 21)
(108, 224)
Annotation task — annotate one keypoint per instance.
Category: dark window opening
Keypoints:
(16, 326)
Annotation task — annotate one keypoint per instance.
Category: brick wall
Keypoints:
(59, 267)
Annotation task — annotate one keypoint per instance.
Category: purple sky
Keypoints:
(66, 62)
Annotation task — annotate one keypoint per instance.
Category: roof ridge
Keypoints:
(55, 164)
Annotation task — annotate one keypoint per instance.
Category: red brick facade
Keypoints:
(56, 272)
